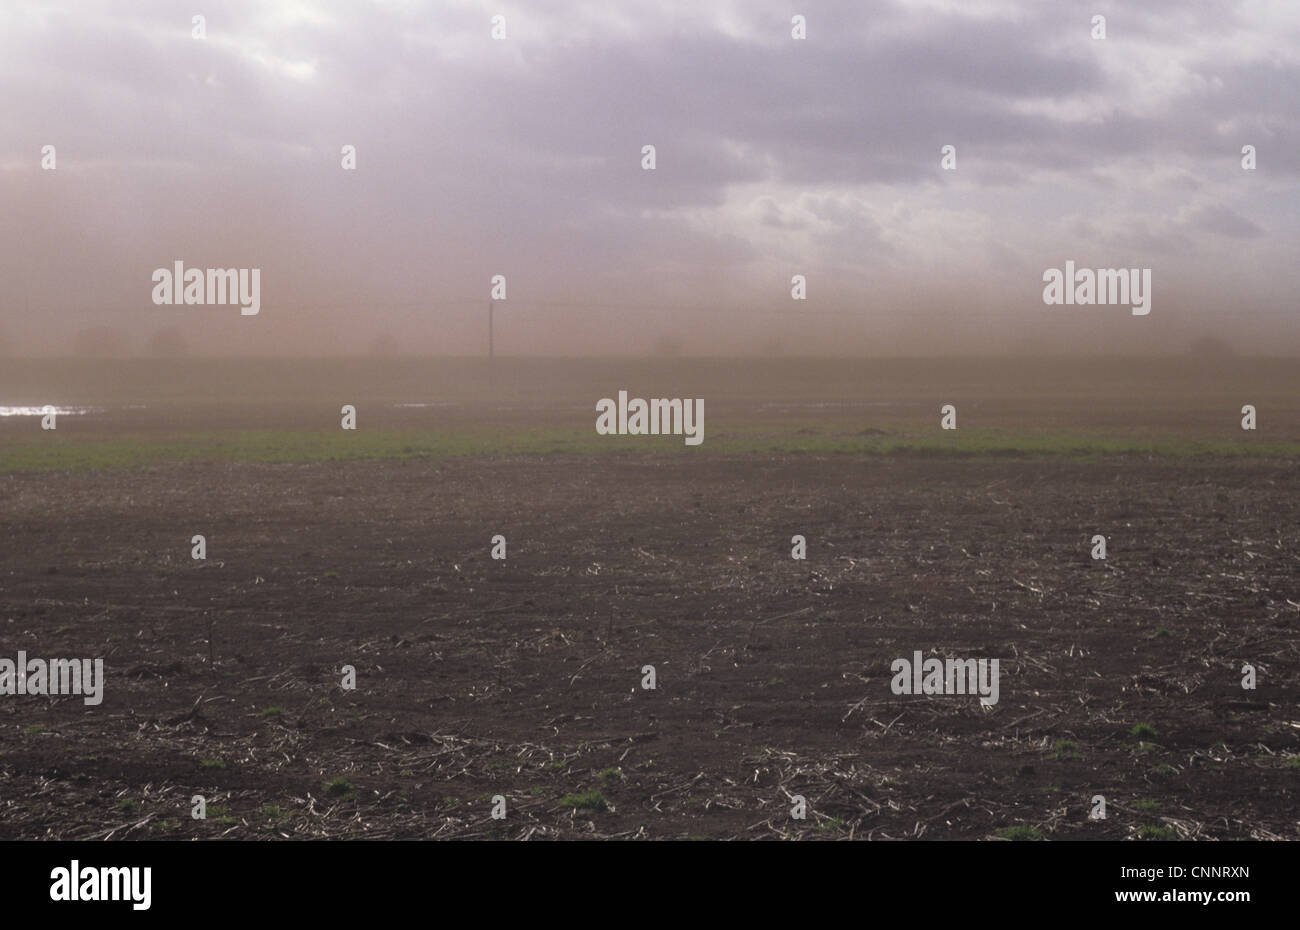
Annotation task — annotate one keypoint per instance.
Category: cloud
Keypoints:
(522, 156)
(1224, 222)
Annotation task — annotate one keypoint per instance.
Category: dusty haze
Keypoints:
(522, 157)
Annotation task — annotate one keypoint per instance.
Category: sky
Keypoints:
(522, 156)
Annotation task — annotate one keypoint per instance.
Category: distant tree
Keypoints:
(669, 346)
(1034, 347)
(1208, 346)
(167, 343)
(384, 346)
(99, 342)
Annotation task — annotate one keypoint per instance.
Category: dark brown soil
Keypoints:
(522, 678)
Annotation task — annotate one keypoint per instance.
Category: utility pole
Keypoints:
(491, 353)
